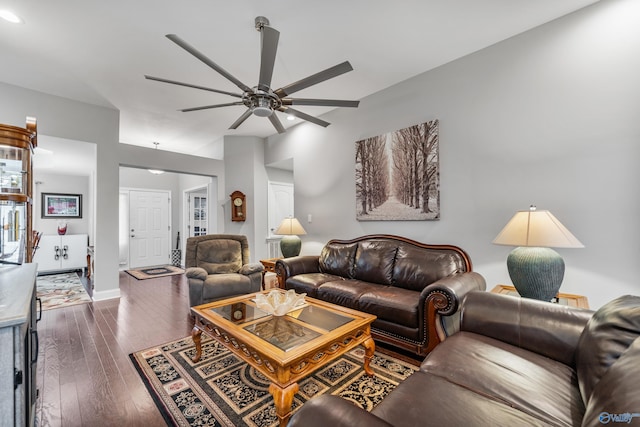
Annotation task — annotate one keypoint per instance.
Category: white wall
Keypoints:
(66, 184)
(548, 117)
(246, 172)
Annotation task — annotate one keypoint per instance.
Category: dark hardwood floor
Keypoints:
(85, 376)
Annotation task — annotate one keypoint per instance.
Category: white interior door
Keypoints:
(280, 203)
(197, 213)
(149, 228)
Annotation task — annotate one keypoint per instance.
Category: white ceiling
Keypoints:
(99, 51)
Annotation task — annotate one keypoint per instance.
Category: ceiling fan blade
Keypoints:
(207, 107)
(269, 40)
(320, 102)
(314, 79)
(193, 51)
(276, 123)
(241, 119)
(173, 82)
(304, 116)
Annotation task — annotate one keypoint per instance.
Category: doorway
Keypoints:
(148, 229)
(197, 208)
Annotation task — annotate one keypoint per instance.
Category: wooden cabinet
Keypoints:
(60, 253)
(19, 349)
(16, 192)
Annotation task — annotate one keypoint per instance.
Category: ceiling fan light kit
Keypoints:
(261, 100)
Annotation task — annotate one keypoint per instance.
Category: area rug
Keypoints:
(153, 272)
(223, 390)
(61, 290)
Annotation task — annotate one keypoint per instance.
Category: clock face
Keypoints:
(237, 201)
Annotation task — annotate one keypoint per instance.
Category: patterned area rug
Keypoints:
(223, 390)
(152, 272)
(61, 290)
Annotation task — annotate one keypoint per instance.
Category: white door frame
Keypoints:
(212, 217)
(128, 191)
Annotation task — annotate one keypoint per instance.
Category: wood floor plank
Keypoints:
(85, 376)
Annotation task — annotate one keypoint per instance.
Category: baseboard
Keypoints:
(104, 295)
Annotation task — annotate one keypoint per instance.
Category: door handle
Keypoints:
(57, 255)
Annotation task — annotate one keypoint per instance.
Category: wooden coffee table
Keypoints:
(286, 348)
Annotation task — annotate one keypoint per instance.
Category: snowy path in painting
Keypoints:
(393, 209)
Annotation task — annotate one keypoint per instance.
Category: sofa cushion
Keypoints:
(424, 399)
(416, 268)
(607, 335)
(529, 382)
(374, 261)
(337, 259)
(390, 303)
(218, 286)
(310, 282)
(219, 256)
(616, 394)
(344, 292)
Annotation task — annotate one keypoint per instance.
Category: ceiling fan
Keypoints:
(261, 100)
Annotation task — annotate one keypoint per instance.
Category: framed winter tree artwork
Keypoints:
(398, 175)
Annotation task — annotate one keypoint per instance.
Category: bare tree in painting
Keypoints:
(372, 176)
(400, 182)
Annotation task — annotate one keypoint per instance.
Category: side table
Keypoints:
(571, 300)
(269, 267)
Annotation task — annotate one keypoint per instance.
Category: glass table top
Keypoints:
(285, 332)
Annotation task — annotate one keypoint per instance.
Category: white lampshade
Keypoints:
(534, 228)
(535, 269)
(290, 226)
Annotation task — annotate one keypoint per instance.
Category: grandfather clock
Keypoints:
(238, 206)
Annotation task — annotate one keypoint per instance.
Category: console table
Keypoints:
(571, 300)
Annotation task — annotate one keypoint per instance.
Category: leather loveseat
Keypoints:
(409, 286)
(514, 362)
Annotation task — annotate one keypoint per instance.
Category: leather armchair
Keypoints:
(218, 266)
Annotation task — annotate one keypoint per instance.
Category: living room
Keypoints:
(544, 118)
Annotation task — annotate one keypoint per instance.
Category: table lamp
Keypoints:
(290, 244)
(535, 269)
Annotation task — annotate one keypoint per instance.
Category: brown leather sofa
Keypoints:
(515, 362)
(410, 286)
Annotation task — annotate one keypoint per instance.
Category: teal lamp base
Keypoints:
(536, 272)
(290, 246)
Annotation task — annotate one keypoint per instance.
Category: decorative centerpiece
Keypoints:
(279, 303)
(62, 227)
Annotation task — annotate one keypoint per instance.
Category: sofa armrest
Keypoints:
(449, 291)
(552, 330)
(441, 301)
(249, 269)
(196, 273)
(334, 411)
(288, 267)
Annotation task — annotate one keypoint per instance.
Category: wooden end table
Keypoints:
(284, 348)
(571, 300)
(269, 267)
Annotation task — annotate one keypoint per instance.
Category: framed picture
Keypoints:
(398, 175)
(56, 205)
